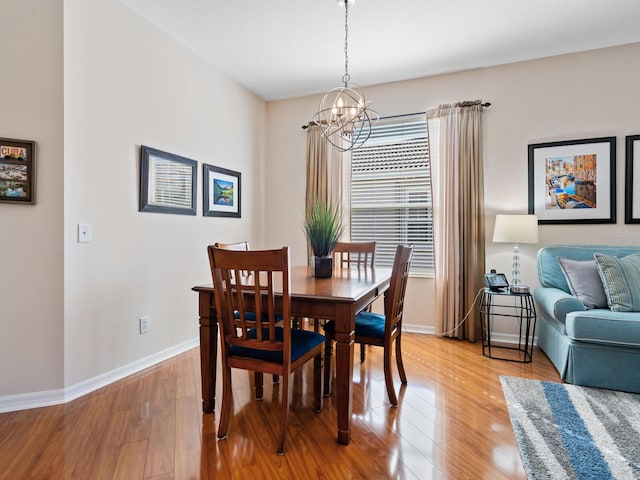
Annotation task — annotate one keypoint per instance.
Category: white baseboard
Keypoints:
(509, 338)
(25, 401)
(427, 330)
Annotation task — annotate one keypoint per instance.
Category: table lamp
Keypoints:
(516, 229)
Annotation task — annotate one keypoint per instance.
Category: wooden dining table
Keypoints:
(340, 298)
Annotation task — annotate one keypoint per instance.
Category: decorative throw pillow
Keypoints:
(621, 280)
(584, 281)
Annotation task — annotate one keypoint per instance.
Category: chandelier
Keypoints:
(344, 113)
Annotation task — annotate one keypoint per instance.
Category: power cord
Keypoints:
(465, 316)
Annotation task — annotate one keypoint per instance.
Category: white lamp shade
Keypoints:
(516, 229)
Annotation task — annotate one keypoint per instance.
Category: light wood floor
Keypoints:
(451, 422)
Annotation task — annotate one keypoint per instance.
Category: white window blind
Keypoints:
(170, 183)
(391, 194)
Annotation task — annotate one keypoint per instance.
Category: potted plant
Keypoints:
(323, 227)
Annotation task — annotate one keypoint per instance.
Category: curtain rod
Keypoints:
(485, 105)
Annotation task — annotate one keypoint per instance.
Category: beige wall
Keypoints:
(31, 236)
(568, 97)
(128, 84)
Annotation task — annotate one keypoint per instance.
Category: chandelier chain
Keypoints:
(344, 113)
(346, 77)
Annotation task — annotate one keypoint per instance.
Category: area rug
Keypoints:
(570, 432)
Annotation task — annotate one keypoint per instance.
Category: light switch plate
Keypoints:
(84, 233)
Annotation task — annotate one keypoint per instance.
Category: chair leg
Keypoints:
(259, 380)
(403, 375)
(388, 376)
(362, 345)
(328, 348)
(227, 401)
(284, 413)
(317, 382)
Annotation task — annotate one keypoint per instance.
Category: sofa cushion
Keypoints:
(621, 281)
(604, 327)
(549, 271)
(584, 281)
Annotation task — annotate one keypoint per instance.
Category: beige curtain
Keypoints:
(317, 170)
(455, 136)
(328, 173)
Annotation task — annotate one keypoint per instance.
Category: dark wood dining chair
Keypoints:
(358, 254)
(239, 246)
(253, 336)
(351, 255)
(242, 246)
(382, 330)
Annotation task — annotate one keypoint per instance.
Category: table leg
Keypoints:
(344, 371)
(208, 352)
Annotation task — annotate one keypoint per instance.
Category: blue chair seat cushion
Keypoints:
(368, 324)
(301, 342)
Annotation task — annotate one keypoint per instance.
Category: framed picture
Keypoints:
(573, 181)
(17, 171)
(632, 177)
(222, 192)
(167, 182)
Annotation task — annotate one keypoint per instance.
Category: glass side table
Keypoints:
(518, 306)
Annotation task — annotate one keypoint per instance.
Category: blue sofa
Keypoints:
(594, 347)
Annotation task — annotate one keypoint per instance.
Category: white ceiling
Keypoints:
(288, 48)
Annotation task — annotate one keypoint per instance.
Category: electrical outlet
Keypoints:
(144, 323)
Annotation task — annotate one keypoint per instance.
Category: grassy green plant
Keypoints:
(323, 226)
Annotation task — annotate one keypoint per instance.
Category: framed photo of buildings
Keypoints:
(632, 179)
(222, 192)
(17, 171)
(167, 182)
(573, 181)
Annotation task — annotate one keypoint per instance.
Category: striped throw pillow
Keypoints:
(621, 281)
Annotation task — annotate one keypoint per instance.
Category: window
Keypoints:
(391, 194)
